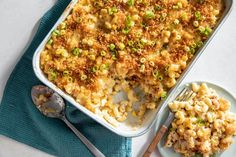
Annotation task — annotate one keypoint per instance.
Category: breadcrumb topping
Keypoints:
(107, 46)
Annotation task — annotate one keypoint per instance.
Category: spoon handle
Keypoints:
(89, 145)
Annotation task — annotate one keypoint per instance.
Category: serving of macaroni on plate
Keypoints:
(203, 125)
(106, 47)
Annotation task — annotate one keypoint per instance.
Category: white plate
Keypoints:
(169, 152)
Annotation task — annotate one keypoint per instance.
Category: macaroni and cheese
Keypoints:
(202, 125)
(107, 46)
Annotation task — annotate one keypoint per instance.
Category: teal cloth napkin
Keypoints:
(20, 120)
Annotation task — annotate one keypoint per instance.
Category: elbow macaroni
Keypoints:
(104, 47)
(205, 128)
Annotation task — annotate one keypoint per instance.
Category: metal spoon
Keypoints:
(52, 105)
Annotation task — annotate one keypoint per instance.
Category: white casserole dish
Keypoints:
(123, 129)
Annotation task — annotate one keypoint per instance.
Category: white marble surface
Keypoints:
(17, 25)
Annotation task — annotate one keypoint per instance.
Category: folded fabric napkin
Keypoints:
(20, 120)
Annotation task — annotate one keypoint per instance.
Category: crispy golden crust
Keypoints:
(144, 43)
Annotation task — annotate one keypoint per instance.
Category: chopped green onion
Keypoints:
(112, 10)
(121, 46)
(50, 41)
(52, 75)
(184, 16)
(134, 49)
(63, 25)
(64, 53)
(126, 30)
(78, 20)
(130, 43)
(192, 50)
(104, 67)
(194, 45)
(163, 95)
(138, 34)
(107, 66)
(152, 43)
(201, 29)
(208, 30)
(198, 15)
(143, 41)
(199, 44)
(201, 121)
(140, 45)
(130, 2)
(112, 47)
(76, 51)
(56, 32)
(113, 57)
(205, 31)
(144, 25)
(103, 53)
(129, 22)
(149, 14)
(95, 68)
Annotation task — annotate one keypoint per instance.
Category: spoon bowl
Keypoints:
(51, 104)
(48, 102)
